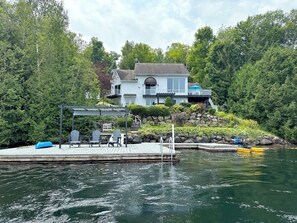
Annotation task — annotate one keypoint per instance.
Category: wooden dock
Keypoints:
(144, 152)
(210, 147)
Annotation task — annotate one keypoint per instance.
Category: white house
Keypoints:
(152, 83)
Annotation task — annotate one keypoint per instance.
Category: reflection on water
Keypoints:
(203, 187)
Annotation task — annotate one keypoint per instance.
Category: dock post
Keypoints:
(161, 148)
(173, 145)
(61, 123)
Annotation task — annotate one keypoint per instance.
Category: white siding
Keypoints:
(138, 88)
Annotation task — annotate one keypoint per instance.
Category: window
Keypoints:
(151, 90)
(150, 85)
(176, 85)
(117, 89)
(149, 101)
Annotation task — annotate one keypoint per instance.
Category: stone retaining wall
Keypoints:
(200, 119)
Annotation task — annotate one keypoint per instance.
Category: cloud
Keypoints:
(159, 22)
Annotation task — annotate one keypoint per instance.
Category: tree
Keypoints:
(267, 92)
(177, 53)
(138, 53)
(41, 67)
(196, 59)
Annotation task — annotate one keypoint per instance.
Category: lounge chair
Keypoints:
(74, 138)
(115, 138)
(95, 138)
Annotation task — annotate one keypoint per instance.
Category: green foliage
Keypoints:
(203, 131)
(158, 110)
(235, 121)
(122, 122)
(266, 92)
(177, 108)
(41, 67)
(177, 53)
(212, 111)
(140, 110)
(186, 104)
(196, 108)
(196, 59)
(137, 53)
(168, 102)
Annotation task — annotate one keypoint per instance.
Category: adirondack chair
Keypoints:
(74, 138)
(95, 138)
(115, 138)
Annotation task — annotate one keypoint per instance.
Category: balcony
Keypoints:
(116, 93)
(205, 93)
(151, 92)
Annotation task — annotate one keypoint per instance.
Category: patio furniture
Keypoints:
(106, 127)
(74, 138)
(95, 138)
(115, 138)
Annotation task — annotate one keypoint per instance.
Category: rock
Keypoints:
(189, 141)
(265, 142)
(276, 140)
(178, 140)
(197, 139)
(205, 139)
(192, 117)
(137, 140)
(160, 118)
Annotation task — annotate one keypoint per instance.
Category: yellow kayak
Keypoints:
(250, 150)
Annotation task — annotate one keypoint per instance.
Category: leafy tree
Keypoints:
(196, 59)
(138, 53)
(267, 92)
(41, 67)
(177, 53)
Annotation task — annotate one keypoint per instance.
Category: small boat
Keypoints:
(41, 145)
(250, 150)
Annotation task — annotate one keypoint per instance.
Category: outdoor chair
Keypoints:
(115, 138)
(74, 138)
(95, 138)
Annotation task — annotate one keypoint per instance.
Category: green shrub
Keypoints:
(177, 108)
(169, 102)
(122, 122)
(211, 111)
(186, 104)
(236, 121)
(142, 111)
(158, 110)
(196, 108)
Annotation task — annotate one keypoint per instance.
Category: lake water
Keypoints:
(203, 187)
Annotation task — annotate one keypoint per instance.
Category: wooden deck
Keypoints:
(145, 152)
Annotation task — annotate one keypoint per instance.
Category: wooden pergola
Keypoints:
(92, 111)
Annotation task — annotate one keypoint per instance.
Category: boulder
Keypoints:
(189, 141)
(265, 142)
(137, 140)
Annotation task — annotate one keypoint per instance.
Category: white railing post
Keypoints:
(170, 147)
(161, 148)
(173, 136)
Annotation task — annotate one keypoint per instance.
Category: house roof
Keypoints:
(143, 69)
(126, 74)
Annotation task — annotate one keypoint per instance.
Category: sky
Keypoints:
(159, 23)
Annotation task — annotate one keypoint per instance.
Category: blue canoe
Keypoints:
(41, 145)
